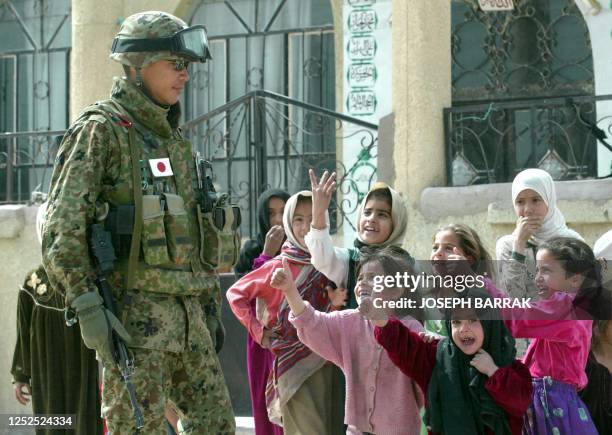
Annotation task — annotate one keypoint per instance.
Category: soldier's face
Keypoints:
(164, 83)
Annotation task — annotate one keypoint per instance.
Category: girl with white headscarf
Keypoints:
(539, 219)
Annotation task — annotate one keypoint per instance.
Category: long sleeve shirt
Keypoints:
(510, 387)
(560, 348)
(378, 398)
(256, 285)
(516, 277)
(332, 261)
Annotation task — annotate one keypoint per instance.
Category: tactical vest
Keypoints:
(163, 241)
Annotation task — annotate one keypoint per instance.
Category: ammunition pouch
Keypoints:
(219, 234)
(165, 238)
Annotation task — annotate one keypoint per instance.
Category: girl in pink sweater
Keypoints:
(379, 398)
(568, 283)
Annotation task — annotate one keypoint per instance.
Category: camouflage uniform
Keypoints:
(164, 309)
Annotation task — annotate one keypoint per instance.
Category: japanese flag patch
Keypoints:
(161, 167)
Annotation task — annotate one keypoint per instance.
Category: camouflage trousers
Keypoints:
(191, 382)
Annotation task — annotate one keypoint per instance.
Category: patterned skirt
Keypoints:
(556, 409)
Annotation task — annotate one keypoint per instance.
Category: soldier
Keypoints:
(125, 162)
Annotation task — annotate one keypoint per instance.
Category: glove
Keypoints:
(217, 332)
(97, 324)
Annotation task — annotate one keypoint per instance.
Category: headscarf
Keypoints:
(399, 216)
(457, 391)
(263, 217)
(290, 206)
(254, 247)
(542, 183)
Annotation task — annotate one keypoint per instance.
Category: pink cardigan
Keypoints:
(379, 397)
(256, 285)
(560, 348)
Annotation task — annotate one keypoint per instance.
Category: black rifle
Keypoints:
(104, 255)
(208, 196)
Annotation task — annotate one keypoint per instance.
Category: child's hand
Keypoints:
(428, 337)
(322, 192)
(525, 228)
(483, 362)
(268, 336)
(274, 240)
(457, 264)
(282, 278)
(377, 315)
(337, 296)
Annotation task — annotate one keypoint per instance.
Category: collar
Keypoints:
(141, 108)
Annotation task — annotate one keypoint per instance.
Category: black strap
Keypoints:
(141, 44)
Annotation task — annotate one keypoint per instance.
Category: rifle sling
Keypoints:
(136, 234)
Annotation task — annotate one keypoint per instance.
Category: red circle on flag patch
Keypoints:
(161, 167)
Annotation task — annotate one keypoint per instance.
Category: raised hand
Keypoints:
(483, 362)
(367, 308)
(322, 191)
(282, 278)
(458, 264)
(429, 337)
(274, 240)
(337, 296)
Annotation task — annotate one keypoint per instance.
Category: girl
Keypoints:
(255, 252)
(474, 384)
(267, 243)
(539, 219)
(448, 242)
(381, 221)
(379, 399)
(567, 273)
(297, 390)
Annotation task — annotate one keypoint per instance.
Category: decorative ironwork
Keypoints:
(26, 164)
(491, 143)
(264, 140)
(38, 48)
(541, 48)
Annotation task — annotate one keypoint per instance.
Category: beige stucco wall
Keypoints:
(421, 80)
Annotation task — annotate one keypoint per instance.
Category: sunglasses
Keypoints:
(179, 64)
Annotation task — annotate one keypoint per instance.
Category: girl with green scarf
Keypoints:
(474, 384)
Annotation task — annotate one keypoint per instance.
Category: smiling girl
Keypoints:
(474, 384)
(568, 280)
(381, 221)
(379, 399)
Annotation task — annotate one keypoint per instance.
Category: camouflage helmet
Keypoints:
(147, 37)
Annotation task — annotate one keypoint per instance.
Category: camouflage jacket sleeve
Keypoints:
(211, 301)
(83, 170)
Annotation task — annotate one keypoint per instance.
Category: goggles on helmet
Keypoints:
(191, 43)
